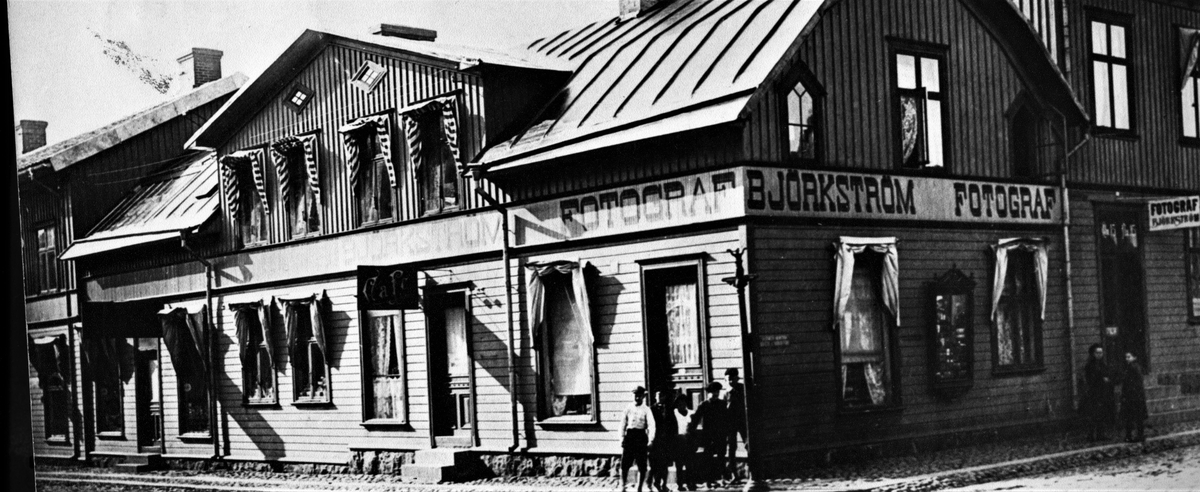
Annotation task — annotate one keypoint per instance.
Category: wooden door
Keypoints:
(674, 329)
(1122, 282)
(452, 411)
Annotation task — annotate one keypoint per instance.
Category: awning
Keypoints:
(88, 248)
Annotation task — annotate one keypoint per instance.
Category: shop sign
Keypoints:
(387, 287)
(792, 192)
(1173, 213)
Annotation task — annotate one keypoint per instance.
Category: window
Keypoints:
(368, 76)
(246, 194)
(110, 364)
(47, 259)
(1018, 304)
(385, 398)
(186, 335)
(369, 165)
(803, 120)
(306, 342)
(253, 321)
(1110, 75)
(298, 97)
(921, 109)
(1193, 273)
(50, 357)
(299, 183)
(560, 318)
(431, 132)
(866, 308)
(1023, 135)
(1190, 93)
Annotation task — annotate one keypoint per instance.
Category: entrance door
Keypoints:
(673, 316)
(148, 395)
(1122, 284)
(450, 379)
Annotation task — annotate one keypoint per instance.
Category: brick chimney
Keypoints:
(634, 8)
(405, 32)
(199, 67)
(31, 134)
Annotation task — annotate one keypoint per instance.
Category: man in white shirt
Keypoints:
(637, 434)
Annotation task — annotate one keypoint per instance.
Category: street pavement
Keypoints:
(1176, 469)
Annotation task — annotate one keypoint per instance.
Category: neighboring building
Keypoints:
(428, 246)
(64, 190)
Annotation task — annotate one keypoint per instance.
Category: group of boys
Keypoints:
(701, 443)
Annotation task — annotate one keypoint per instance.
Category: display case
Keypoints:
(951, 334)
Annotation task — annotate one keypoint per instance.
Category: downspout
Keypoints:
(212, 352)
(508, 300)
(1064, 167)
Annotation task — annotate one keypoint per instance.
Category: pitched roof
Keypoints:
(180, 198)
(66, 153)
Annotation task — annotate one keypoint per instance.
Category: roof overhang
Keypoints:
(84, 248)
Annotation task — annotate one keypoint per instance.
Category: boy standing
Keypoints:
(637, 433)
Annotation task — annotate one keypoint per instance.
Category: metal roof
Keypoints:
(63, 154)
(687, 54)
(180, 198)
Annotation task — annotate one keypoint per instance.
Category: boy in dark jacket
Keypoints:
(1133, 399)
(710, 421)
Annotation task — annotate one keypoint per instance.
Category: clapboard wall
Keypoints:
(42, 447)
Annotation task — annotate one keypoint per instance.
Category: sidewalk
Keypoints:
(932, 471)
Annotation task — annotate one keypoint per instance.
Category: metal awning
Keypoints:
(88, 248)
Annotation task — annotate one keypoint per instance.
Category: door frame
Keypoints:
(431, 293)
(698, 261)
(1099, 208)
(160, 425)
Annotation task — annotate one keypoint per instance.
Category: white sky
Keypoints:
(61, 75)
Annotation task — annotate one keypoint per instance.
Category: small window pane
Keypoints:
(929, 75)
(1120, 92)
(906, 72)
(934, 116)
(1118, 41)
(793, 106)
(1103, 114)
(1189, 107)
(1099, 39)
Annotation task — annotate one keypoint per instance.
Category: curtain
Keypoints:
(846, 248)
(572, 339)
(291, 319)
(683, 336)
(352, 132)
(854, 316)
(244, 316)
(1189, 52)
(230, 164)
(1040, 269)
(413, 136)
(49, 358)
(284, 148)
(186, 335)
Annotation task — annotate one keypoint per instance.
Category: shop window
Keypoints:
(305, 326)
(431, 132)
(921, 107)
(560, 318)
(1110, 73)
(186, 335)
(1189, 40)
(50, 357)
(803, 122)
(110, 364)
(255, 344)
(386, 396)
(1193, 274)
(299, 183)
(866, 309)
(369, 165)
(1018, 304)
(244, 183)
(368, 76)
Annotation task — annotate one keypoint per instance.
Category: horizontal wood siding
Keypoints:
(1156, 158)
(37, 408)
(793, 298)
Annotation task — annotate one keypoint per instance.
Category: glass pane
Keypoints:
(862, 323)
(929, 75)
(456, 340)
(795, 138)
(682, 329)
(378, 336)
(1120, 92)
(1099, 38)
(1100, 83)
(1188, 105)
(793, 106)
(1118, 41)
(906, 72)
(934, 127)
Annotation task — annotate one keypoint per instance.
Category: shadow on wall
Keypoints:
(249, 419)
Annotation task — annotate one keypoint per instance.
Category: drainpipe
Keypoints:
(508, 300)
(212, 352)
(1064, 167)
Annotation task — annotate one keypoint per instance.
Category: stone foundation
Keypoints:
(538, 465)
(379, 462)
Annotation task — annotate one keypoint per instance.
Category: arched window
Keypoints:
(803, 122)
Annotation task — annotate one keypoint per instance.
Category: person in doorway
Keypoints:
(1098, 405)
(637, 434)
(709, 424)
(1133, 399)
(662, 451)
(685, 447)
(735, 402)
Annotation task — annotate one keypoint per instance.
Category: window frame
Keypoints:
(1194, 140)
(55, 412)
(298, 174)
(310, 344)
(1125, 21)
(1036, 328)
(542, 357)
(653, 272)
(117, 433)
(444, 158)
(49, 275)
(802, 77)
(289, 98)
(1024, 106)
(366, 359)
(248, 194)
(1191, 257)
(362, 80)
(920, 50)
(268, 345)
(890, 347)
(378, 169)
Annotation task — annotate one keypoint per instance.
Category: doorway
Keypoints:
(1122, 282)
(451, 378)
(674, 318)
(148, 395)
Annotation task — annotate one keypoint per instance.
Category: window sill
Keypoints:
(57, 440)
(312, 403)
(261, 404)
(999, 372)
(1114, 134)
(569, 421)
(387, 424)
(376, 223)
(111, 435)
(195, 437)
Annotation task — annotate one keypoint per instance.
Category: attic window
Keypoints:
(299, 97)
(368, 76)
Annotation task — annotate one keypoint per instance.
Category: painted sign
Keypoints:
(1173, 213)
(793, 192)
(387, 287)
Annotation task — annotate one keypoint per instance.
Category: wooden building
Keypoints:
(65, 189)
(424, 246)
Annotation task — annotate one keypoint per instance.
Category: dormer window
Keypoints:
(368, 76)
(298, 97)
(803, 122)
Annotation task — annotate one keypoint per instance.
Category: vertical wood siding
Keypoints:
(1156, 158)
(40, 207)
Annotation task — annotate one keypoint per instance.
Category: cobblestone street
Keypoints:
(1177, 469)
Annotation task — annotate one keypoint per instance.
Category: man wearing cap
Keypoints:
(735, 418)
(637, 434)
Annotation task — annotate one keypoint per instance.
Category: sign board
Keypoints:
(387, 287)
(1173, 213)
